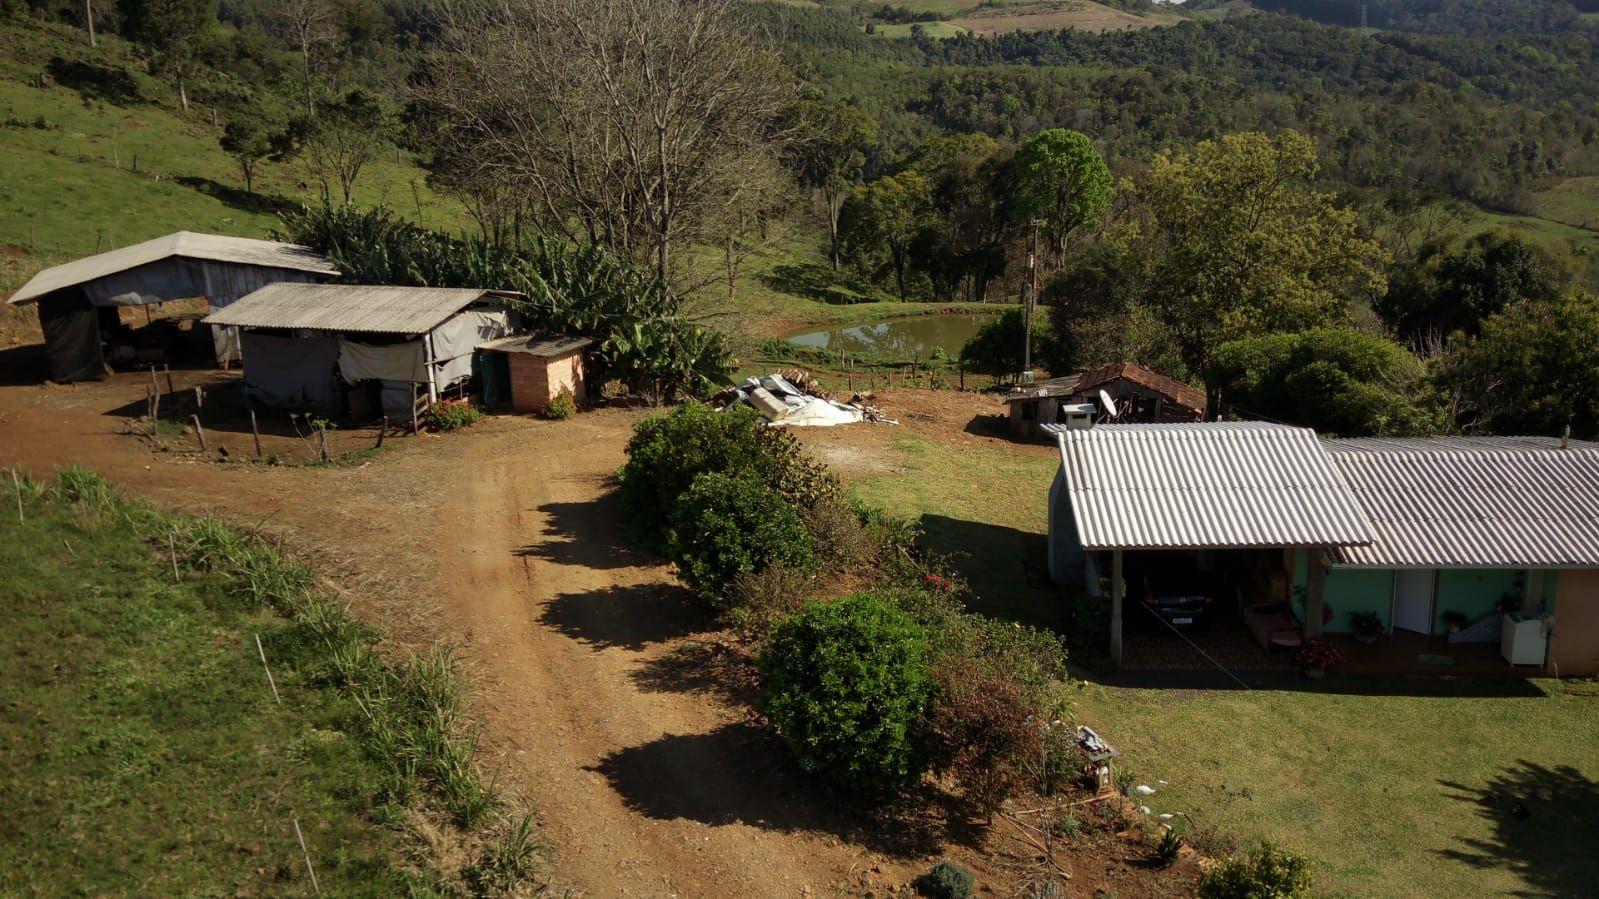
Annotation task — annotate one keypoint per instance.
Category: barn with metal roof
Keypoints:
(364, 350)
(79, 301)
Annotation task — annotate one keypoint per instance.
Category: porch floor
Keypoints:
(1398, 654)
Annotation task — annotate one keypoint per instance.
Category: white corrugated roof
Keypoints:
(1462, 502)
(350, 308)
(1206, 484)
(187, 244)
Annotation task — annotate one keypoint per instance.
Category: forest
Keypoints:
(1247, 201)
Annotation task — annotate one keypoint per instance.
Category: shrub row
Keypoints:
(870, 690)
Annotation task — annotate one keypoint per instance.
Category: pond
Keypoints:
(899, 338)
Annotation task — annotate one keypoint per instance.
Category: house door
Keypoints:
(1574, 645)
(1413, 594)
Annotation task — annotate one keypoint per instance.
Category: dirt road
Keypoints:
(604, 692)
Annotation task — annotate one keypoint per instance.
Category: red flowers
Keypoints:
(1319, 654)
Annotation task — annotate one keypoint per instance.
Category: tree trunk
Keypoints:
(183, 93)
(88, 19)
(305, 71)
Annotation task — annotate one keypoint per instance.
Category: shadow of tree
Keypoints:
(1545, 828)
(627, 617)
(237, 198)
(817, 282)
(702, 668)
(590, 534)
(738, 774)
(93, 82)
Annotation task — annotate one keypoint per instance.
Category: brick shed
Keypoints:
(527, 372)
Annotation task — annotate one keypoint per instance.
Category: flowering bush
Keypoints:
(449, 415)
(1319, 654)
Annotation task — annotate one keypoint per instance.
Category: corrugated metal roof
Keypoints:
(1185, 395)
(1463, 502)
(1206, 484)
(538, 344)
(1062, 386)
(187, 244)
(349, 308)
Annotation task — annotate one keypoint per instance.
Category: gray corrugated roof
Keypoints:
(349, 308)
(1463, 502)
(187, 244)
(1206, 484)
(538, 344)
(1062, 386)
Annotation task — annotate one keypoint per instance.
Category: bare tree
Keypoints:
(619, 118)
(309, 24)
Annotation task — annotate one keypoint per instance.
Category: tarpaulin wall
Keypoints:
(71, 337)
(291, 372)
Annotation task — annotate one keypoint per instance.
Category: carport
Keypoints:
(1198, 486)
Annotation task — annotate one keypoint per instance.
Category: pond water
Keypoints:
(899, 338)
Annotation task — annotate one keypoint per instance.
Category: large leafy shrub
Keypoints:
(452, 415)
(846, 685)
(667, 453)
(1266, 873)
(727, 525)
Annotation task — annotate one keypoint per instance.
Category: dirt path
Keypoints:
(605, 694)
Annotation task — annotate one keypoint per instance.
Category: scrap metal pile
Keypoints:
(792, 398)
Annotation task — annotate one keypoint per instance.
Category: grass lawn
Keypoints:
(140, 748)
(1385, 784)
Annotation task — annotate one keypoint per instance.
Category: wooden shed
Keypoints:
(527, 372)
(1141, 396)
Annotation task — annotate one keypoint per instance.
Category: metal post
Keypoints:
(1118, 586)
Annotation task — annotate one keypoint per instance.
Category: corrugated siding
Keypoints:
(185, 244)
(1437, 507)
(347, 308)
(1211, 484)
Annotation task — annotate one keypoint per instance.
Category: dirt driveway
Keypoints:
(603, 690)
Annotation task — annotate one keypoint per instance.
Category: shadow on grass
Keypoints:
(1006, 567)
(238, 198)
(111, 84)
(627, 617)
(1545, 825)
(819, 283)
(739, 774)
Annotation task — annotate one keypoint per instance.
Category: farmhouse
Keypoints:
(1481, 550)
(84, 305)
(1140, 395)
(363, 350)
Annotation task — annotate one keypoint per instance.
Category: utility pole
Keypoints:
(1027, 308)
(1363, 29)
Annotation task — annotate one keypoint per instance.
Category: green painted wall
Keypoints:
(1359, 590)
(1473, 591)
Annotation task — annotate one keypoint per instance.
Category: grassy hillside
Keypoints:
(98, 156)
(140, 747)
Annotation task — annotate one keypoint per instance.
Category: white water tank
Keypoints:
(1522, 640)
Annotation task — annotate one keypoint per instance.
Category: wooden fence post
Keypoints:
(200, 433)
(256, 433)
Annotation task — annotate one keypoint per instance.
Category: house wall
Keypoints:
(1574, 644)
(1358, 590)
(1474, 592)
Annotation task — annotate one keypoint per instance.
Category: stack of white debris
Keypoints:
(784, 405)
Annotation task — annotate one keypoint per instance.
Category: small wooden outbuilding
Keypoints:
(1140, 395)
(528, 372)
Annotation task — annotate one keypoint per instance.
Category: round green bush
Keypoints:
(846, 685)
(727, 525)
(667, 453)
(947, 880)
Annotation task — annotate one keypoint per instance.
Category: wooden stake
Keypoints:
(199, 400)
(155, 408)
(156, 385)
(256, 433)
(382, 429)
(199, 432)
(322, 441)
(170, 388)
(172, 550)
(272, 683)
(307, 854)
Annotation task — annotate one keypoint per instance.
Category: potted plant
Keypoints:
(1316, 656)
(1366, 626)
(1455, 620)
